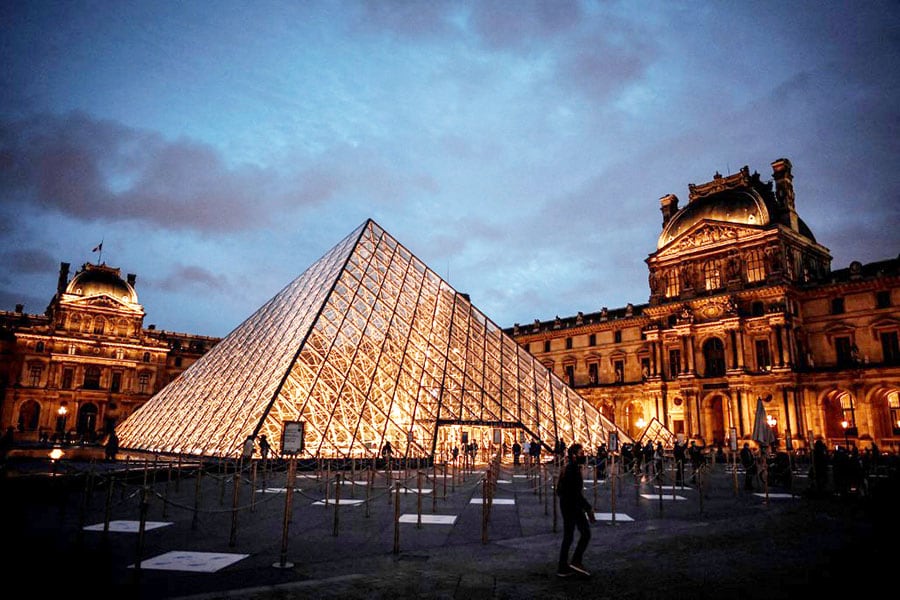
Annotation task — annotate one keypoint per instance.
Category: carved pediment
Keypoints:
(706, 233)
(102, 301)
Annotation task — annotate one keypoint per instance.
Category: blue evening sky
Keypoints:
(518, 147)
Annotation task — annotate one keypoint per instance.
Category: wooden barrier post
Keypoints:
(288, 510)
(235, 496)
(484, 511)
(108, 508)
(613, 475)
(396, 517)
(337, 501)
(419, 501)
(196, 516)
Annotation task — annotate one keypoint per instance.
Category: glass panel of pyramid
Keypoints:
(367, 345)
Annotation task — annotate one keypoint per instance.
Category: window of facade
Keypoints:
(617, 336)
(883, 299)
(143, 383)
(71, 349)
(619, 370)
(546, 345)
(593, 373)
(890, 350)
(568, 343)
(592, 339)
(177, 361)
(674, 363)
(848, 413)
(843, 349)
(39, 347)
(756, 270)
(34, 375)
(116, 382)
(757, 309)
(146, 357)
(570, 375)
(711, 276)
(91, 378)
(894, 408)
(645, 367)
(120, 354)
(837, 306)
(99, 326)
(714, 357)
(673, 286)
(763, 358)
(68, 377)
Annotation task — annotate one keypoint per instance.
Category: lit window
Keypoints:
(34, 374)
(756, 270)
(711, 275)
(673, 285)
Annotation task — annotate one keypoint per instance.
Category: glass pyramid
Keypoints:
(368, 345)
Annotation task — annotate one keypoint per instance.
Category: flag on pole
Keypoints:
(98, 247)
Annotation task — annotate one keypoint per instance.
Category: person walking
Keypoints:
(517, 451)
(749, 464)
(112, 446)
(576, 512)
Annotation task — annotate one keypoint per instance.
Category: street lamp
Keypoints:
(61, 422)
(845, 424)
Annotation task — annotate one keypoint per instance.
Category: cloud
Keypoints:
(187, 277)
(28, 261)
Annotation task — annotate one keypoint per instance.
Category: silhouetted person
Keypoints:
(112, 446)
(576, 512)
(749, 464)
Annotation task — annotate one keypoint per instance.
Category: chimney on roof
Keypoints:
(63, 278)
(668, 204)
(20, 308)
(784, 189)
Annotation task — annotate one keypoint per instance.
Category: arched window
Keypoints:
(99, 325)
(29, 416)
(714, 357)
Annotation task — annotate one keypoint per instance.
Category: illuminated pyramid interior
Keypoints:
(368, 345)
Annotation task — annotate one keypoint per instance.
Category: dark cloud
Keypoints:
(191, 277)
(94, 170)
(406, 18)
(28, 261)
(519, 24)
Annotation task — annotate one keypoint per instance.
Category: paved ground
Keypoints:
(715, 543)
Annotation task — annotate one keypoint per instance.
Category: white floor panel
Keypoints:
(429, 519)
(127, 526)
(201, 562)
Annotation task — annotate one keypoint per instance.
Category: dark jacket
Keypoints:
(569, 489)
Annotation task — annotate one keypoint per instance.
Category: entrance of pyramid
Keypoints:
(483, 440)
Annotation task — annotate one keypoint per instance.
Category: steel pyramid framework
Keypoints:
(368, 345)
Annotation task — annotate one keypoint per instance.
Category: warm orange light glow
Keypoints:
(56, 454)
(367, 346)
(640, 423)
(845, 424)
(62, 411)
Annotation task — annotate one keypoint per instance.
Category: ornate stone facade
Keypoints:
(88, 361)
(743, 305)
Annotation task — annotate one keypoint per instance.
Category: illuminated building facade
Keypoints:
(87, 362)
(743, 305)
(367, 346)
